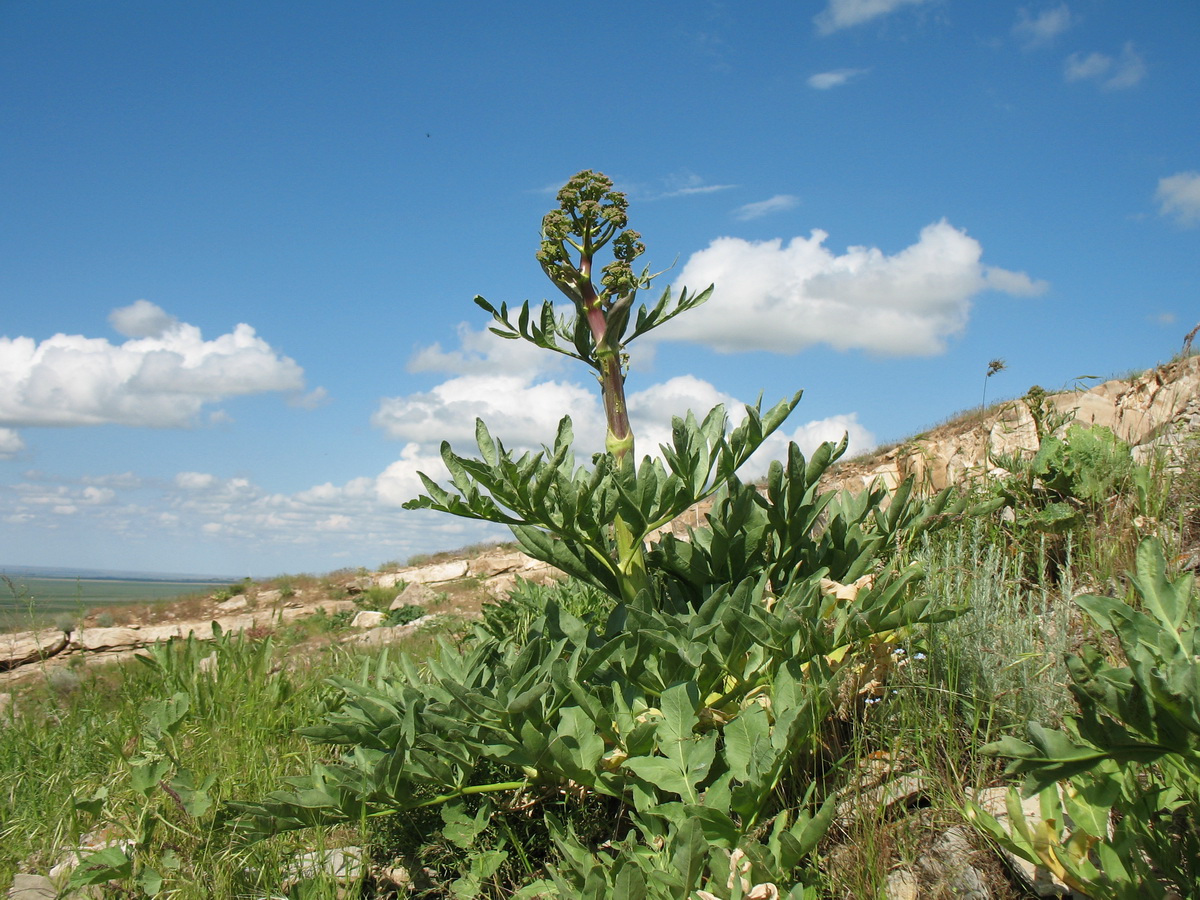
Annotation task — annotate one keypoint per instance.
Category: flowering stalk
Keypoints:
(590, 216)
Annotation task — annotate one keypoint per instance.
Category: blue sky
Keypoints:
(239, 241)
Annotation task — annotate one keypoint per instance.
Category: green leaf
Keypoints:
(193, 795)
(145, 776)
(1167, 600)
(150, 881)
(108, 864)
(94, 804)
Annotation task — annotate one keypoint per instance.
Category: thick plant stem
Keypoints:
(618, 442)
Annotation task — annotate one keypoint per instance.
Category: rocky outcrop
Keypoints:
(490, 574)
(1151, 411)
(25, 647)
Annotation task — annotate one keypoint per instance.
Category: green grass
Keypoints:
(79, 731)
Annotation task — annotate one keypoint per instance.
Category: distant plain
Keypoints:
(25, 600)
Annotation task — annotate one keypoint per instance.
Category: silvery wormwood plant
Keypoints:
(690, 703)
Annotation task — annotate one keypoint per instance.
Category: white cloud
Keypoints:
(98, 496)
(161, 377)
(650, 413)
(314, 399)
(823, 81)
(481, 353)
(234, 517)
(194, 481)
(1018, 284)
(522, 411)
(1080, 68)
(784, 298)
(141, 319)
(685, 184)
(848, 13)
(528, 410)
(1041, 29)
(1122, 72)
(10, 443)
(778, 203)
(1178, 195)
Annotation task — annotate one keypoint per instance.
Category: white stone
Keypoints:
(1038, 880)
(448, 571)
(368, 618)
(415, 594)
(901, 885)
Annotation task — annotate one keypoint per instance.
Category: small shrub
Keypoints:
(1125, 768)
(63, 681)
(105, 620)
(410, 612)
(65, 622)
(377, 598)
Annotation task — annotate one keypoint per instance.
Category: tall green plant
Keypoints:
(591, 215)
(693, 699)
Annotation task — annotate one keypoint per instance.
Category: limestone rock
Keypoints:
(1035, 879)
(378, 636)
(901, 885)
(1157, 406)
(448, 571)
(32, 887)
(341, 863)
(21, 648)
(415, 594)
(947, 867)
(368, 618)
(489, 566)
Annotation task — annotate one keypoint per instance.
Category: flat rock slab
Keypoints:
(32, 887)
(24, 647)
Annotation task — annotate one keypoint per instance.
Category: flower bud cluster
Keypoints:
(589, 198)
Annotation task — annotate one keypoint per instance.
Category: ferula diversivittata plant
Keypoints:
(591, 216)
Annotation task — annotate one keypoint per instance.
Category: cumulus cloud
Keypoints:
(1110, 73)
(194, 481)
(841, 14)
(238, 517)
(480, 353)
(651, 410)
(786, 297)
(141, 319)
(778, 203)
(523, 408)
(529, 410)
(161, 377)
(204, 509)
(1178, 196)
(1041, 29)
(10, 443)
(823, 81)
